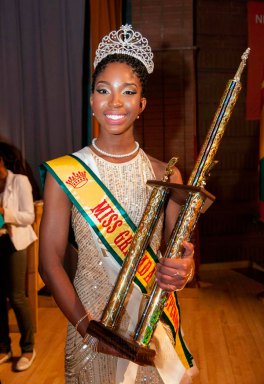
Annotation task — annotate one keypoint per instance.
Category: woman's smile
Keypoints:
(115, 118)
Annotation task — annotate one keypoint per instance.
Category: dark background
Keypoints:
(197, 48)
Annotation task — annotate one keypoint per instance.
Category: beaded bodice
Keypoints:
(127, 182)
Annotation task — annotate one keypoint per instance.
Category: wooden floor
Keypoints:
(48, 367)
(223, 324)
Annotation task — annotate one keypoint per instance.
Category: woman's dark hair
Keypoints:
(14, 161)
(12, 158)
(136, 65)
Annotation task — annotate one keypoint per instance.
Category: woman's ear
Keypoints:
(143, 103)
(91, 100)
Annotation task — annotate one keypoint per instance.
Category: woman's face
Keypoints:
(116, 100)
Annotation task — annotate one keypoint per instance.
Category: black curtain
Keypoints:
(41, 70)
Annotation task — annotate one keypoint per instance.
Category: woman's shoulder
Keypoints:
(159, 168)
(83, 153)
(17, 180)
(17, 177)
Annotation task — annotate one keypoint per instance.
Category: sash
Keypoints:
(115, 229)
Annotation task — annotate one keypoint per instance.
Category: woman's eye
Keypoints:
(129, 92)
(101, 91)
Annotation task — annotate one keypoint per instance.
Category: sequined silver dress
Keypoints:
(127, 182)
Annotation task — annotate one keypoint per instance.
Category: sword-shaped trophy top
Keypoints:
(242, 65)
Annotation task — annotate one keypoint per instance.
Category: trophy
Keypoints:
(194, 200)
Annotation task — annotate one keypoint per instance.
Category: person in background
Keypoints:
(120, 169)
(16, 234)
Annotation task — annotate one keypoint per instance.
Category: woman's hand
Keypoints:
(101, 347)
(173, 274)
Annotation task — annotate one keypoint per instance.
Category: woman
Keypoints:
(16, 234)
(123, 61)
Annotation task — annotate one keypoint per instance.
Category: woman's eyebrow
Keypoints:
(104, 82)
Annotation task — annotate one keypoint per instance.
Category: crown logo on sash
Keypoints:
(77, 179)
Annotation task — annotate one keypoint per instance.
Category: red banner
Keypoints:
(256, 58)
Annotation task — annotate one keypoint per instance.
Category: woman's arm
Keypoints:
(20, 206)
(54, 231)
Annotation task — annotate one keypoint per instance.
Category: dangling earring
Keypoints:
(93, 113)
(137, 116)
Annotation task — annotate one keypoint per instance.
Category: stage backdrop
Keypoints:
(41, 68)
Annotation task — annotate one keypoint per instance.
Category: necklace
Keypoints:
(115, 155)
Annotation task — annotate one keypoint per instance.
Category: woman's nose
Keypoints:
(115, 101)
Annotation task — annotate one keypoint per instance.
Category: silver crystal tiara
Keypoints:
(127, 42)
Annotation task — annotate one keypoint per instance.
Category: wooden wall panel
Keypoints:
(192, 67)
(229, 230)
(168, 125)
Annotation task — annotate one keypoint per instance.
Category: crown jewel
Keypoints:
(127, 42)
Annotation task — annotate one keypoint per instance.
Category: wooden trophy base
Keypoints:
(130, 349)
